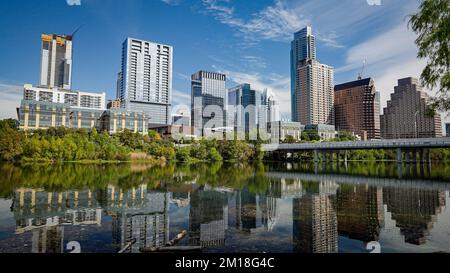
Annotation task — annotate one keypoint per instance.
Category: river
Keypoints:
(224, 207)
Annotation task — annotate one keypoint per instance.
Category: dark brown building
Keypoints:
(357, 108)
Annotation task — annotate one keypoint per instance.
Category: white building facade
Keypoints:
(145, 82)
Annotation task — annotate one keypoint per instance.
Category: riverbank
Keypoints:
(70, 145)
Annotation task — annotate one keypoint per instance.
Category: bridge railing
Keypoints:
(373, 144)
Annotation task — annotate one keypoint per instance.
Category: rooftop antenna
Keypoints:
(360, 75)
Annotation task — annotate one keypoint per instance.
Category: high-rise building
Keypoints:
(357, 108)
(245, 103)
(405, 114)
(312, 83)
(302, 47)
(314, 93)
(271, 104)
(208, 101)
(56, 61)
(145, 82)
(250, 109)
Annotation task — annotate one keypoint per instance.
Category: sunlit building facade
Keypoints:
(357, 108)
(405, 115)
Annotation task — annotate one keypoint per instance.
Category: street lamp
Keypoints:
(415, 122)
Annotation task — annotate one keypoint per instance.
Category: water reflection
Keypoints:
(224, 208)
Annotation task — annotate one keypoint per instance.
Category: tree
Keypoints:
(183, 154)
(154, 136)
(214, 155)
(432, 24)
(310, 135)
(11, 142)
(346, 136)
(289, 139)
(10, 123)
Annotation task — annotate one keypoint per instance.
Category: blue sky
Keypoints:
(247, 40)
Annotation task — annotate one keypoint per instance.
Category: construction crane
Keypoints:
(360, 74)
(73, 34)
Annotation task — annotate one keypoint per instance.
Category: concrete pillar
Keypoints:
(49, 199)
(54, 117)
(316, 158)
(399, 156)
(324, 157)
(92, 120)
(38, 115)
(79, 120)
(21, 198)
(135, 123)
(75, 197)
(112, 194)
(115, 123)
(63, 121)
(407, 154)
(415, 156)
(331, 156)
(144, 128)
(25, 124)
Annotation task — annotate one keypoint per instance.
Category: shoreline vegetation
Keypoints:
(80, 146)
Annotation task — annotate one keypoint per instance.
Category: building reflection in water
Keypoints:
(46, 213)
(322, 210)
(208, 217)
(360, 212)
(415, 211)
(139, 214)
(314, 219)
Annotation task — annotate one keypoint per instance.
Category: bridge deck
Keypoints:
(363, 145)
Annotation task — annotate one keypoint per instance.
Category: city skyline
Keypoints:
(246, 55)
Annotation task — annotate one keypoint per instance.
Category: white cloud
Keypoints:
(390, 56)
(272, 23)
(183, 76)
(254, 61)
(179, 97)
(172, 2)
(10, 96)
(73, 2)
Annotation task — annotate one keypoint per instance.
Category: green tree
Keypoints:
(432, 24)
(183, 154)
(10, 123)
(289, 139)
(11, 142)
(214, 155)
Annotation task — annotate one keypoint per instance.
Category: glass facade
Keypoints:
(43, 115)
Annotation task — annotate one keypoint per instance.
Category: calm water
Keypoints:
(226, 208)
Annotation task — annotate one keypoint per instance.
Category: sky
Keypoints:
(249, 41)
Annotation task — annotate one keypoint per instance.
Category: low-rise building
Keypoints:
(115, 120)
(114, 104)
(279, 130)
(176, 132)
(43, 108)
(325, 132)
